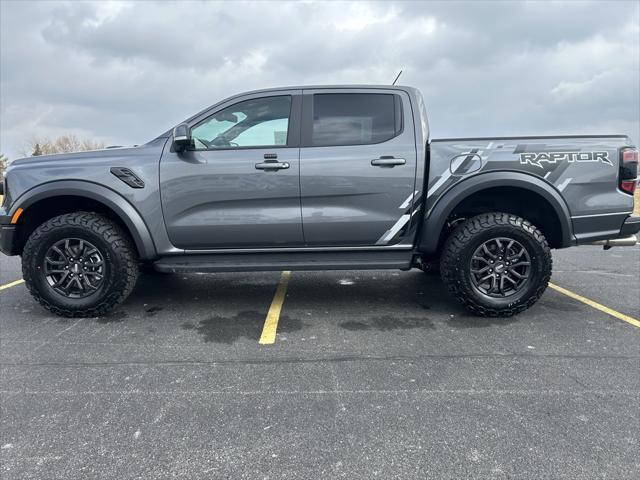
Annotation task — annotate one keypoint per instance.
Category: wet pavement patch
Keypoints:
(558, 303)
(247, 324)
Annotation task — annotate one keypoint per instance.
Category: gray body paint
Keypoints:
(583, 169)
(330, 198)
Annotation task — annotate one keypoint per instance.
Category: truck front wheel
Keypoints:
(496, 264)
(79, 264)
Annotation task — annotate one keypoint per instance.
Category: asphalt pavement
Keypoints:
(373, 374)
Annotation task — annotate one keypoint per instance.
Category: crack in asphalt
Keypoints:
(323, 360)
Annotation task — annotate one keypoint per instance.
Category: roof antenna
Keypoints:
(399, 73)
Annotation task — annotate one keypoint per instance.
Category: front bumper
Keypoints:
(7, 234)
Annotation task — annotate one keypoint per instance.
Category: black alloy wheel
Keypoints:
(74, 267)
(500, 267)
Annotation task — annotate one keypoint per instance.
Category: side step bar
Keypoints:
(252, 262)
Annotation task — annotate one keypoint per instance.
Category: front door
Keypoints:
(238, 187)
(357, 167)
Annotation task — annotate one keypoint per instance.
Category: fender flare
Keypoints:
(111, 199)
(436, 216)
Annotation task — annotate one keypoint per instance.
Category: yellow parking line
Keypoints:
(12, 284)
(597, 306)
(270, 327)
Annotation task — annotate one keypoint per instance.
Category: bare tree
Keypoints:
(37, 151)
(3, 164)
(63, 144)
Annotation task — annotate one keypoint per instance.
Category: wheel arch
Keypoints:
(434, 226)
(72, 195)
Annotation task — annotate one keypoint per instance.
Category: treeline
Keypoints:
(64, 144)
(46, 146)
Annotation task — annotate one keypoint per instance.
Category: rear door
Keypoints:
(239, 186)
(357, 167)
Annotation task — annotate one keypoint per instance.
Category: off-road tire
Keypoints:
(121, 267)
(455, 263)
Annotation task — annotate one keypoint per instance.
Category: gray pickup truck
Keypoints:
(316, 178)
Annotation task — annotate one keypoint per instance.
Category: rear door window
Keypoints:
(355, 118)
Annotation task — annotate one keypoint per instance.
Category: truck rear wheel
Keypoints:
(496, 264)
(79, 264)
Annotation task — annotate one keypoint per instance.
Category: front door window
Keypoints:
(259, 122)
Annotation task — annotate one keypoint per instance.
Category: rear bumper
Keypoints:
(630, 226)
(627, 236)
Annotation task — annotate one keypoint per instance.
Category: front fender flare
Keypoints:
(111, 199)
(435, 218)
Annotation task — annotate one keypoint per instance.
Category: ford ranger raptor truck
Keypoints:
(316, 178)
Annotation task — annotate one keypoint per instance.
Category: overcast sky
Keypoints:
(124, 72)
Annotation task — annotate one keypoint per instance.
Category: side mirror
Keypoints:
(182, 138)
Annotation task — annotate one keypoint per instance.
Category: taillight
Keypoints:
(628, 169)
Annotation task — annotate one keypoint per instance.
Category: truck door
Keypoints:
(238, 187)
(357, 167)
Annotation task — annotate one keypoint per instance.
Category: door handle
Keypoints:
(388, 162)
(272, 166)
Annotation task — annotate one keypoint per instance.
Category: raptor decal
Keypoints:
(538, 158)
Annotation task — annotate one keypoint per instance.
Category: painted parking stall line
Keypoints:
(270, 327)
(598, 306)
(11, 284)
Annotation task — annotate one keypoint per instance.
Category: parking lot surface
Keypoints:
(375, 374)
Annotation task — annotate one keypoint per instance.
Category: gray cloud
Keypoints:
(125, 72)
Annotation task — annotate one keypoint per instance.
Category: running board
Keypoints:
(254, 262)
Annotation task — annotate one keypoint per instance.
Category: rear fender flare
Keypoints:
(435, 219)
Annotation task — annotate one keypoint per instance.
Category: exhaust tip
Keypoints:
(629, 241)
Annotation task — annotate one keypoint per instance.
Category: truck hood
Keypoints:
(92, 167)
(108, 154)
